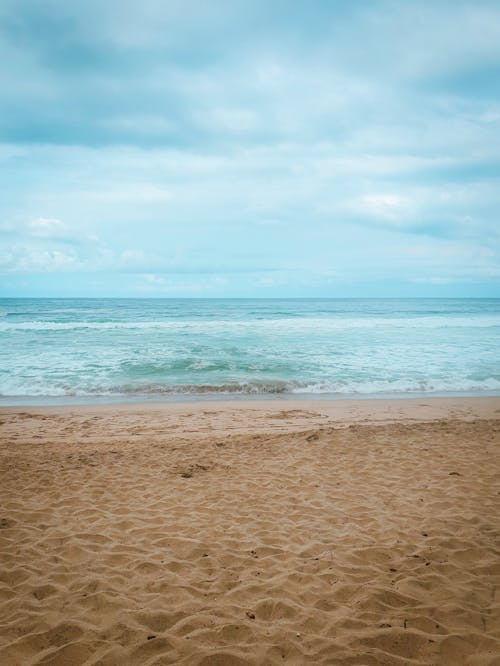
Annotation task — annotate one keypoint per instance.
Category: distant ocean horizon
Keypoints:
(74, 350)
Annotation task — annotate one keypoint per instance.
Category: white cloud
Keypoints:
(156, 284)
(140, 193)
(141, 124)
(39, 260)
(151, 278)
(434, 280)
(47, 227)
(229, 119)
(388, 206)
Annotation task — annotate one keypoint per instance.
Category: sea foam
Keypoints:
(175, 348)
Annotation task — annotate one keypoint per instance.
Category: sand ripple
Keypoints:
(368, 544)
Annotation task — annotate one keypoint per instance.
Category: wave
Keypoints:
(274, 387)
(302, 324)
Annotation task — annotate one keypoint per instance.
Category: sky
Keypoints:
(277, 148)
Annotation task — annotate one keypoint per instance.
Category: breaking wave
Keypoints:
(263, 388)
(286, 324)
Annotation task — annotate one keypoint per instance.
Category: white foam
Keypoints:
(398, 387)
(298, 324)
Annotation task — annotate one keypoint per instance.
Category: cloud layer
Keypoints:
(250, 148)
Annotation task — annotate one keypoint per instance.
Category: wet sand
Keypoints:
(276, 532)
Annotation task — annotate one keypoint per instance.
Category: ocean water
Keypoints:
(70, 350)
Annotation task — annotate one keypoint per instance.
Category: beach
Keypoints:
(251, 532)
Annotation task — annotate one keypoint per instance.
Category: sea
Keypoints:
(70, 351)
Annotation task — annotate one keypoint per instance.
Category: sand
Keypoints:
(236, 533)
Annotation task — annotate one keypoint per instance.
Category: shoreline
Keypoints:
(191, 398)
(321, 412)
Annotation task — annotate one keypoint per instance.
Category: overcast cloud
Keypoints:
(279, 148)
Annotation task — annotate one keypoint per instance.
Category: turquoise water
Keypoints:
(108, 349)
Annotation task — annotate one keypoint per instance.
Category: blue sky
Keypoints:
(227, 148)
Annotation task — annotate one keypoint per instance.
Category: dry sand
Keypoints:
(251, 533)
